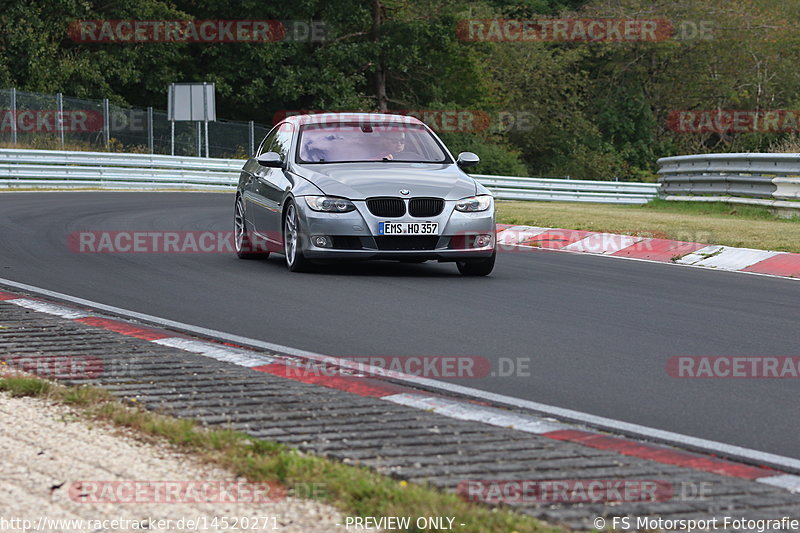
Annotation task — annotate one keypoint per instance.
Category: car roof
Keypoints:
(370, 118)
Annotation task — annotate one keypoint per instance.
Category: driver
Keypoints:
(392, 143)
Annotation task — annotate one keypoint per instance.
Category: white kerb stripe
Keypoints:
(786, 481)
(519, 234)
(227, 354)
(50, 309)
(736, 258)
(603, 243)
(699, 255)
(477, 413)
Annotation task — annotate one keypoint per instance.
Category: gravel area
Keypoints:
(48, 449)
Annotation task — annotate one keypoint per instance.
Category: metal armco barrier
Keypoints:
(49, 169)
(761, 179)
(566, 190)
(31, 169)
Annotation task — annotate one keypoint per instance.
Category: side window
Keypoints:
(283, 142)
(266, 144)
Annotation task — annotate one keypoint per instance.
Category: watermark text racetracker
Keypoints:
(51, 120)
(174, 492)
(196, 31)
(428, 366)
(154, 242)
(221, 242)
(74, 367)
(572, 30)
(525, 238)
(439, 120)
(544, 491)
(71, 120)
(734, 121)
(728, 367)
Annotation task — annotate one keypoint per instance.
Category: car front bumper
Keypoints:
(354, 235)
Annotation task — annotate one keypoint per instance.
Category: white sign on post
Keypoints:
(191, 102)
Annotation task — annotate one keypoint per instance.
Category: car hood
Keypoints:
(358, 181)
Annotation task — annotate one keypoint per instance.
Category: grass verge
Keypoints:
(711, 223)
(356, 491)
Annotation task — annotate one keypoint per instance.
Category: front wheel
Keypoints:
(482, 267)
(295, 260)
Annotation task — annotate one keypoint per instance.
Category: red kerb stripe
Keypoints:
(662, 454)
(125, 328)
(356, 385)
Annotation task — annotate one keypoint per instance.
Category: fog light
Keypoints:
(482, 241)
(322, 241)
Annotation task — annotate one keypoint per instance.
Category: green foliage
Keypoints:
(593, 109)
(19, 386)
(497, 156)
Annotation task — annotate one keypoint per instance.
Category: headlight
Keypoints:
(474, 203)
(329, 204)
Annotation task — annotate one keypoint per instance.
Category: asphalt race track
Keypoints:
(598, 331)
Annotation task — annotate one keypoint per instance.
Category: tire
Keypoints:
(482, 267)
(242, 241)
(295, 260)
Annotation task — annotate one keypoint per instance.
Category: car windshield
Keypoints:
(346, 142)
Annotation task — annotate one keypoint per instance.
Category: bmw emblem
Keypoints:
(404, 191)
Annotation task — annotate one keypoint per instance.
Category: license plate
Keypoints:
(408, 228)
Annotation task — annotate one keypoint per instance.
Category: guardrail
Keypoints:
(105, 170)
(68, 170)
(567, 190)
(762, 179)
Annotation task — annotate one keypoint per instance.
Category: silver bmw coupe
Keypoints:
(357, 186)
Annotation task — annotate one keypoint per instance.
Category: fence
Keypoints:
(34, 119)
(66, 169)
(761, 179)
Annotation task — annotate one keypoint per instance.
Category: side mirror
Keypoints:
(270, 159)
(467, 159)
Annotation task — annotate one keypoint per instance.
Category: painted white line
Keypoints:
(477, 413)
(786, 481)
(227, 354)
(50, 309)
(616, 426)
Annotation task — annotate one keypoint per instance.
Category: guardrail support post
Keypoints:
(252, 139)
(150, 129)
(106, 123)
(60, 117)
(14, 116)
(205, 113)
(206, 136)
